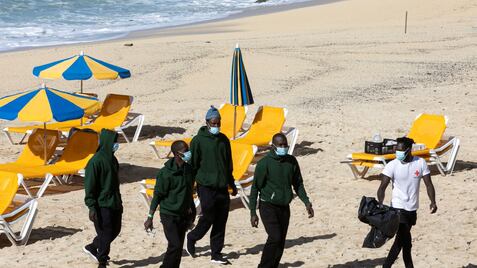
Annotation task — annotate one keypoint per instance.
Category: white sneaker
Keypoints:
(90, 254)
(220, 260)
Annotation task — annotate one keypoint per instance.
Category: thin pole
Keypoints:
(405, 23)
(44, 142)
(81, 83)
(235, 119)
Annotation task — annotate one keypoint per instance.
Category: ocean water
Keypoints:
(32, 23)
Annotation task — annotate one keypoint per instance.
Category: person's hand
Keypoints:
(148, 224)
(234, 190)
(309, 209)
(254, 221)
(92, 216)
(433, 208)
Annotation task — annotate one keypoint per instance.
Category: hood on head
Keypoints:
(106, 140)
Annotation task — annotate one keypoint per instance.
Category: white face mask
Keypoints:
(186, 156)
(401, 155)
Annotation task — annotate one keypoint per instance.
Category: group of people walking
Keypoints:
(208, 164)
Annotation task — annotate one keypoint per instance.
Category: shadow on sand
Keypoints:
(47, 233)
(131, 173)
(149, 132)
(304, 148)
(368, 263)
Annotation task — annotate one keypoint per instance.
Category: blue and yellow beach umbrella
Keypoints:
(45, 105)
(80, 67)
(240, 92)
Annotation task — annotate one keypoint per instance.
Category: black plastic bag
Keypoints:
(384, 221)
(375, 239)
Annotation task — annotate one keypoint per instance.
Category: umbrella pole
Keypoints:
(81, 90)
(44, 142)
(235, 119)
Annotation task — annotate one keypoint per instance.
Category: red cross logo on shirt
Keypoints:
(416, 173)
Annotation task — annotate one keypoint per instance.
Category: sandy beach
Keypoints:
(344, 70)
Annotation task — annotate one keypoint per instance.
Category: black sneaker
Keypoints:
(220, 260)
(91, 252)
(190, 248)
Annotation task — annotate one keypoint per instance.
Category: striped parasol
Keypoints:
(80, 67)
(45, 105)
(240, 91)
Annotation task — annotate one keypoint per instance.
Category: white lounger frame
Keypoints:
(29, 203)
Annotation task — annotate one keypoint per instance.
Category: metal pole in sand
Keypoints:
(405, 24)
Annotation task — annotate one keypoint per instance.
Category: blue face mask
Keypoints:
(214, 130)
(186, 156)
(281, 151)
(115, 147)
(401, 155)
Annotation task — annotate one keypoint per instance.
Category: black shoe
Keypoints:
(190, 247)
(220, 260)
(91, 252)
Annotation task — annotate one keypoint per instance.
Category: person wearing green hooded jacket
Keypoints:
(212, 160)
(102, 197)
(174, 193)
(274, 177)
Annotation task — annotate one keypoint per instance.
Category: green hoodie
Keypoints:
(173, 189)
(274, 177)
(212, 159)
(101, 182)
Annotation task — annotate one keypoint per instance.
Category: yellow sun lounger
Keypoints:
(115, 115)
(26, 130)
(15, 207)
(428, 130)
(226, 111)
(33, 153)
(81, 146)
(242, 157)
(267, 122)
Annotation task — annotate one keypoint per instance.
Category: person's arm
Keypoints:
(91, 179)
(196, 155)
(160, 191)
(382, 188)
(299, 188)
(431, 192)
(258, 181)
(230, 168)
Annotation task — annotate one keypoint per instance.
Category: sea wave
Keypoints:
(32, 23)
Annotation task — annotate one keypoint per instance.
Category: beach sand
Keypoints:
(344, 70)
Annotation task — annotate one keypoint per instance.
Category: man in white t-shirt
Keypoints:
(405, 172)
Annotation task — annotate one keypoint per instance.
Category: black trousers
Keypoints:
(215, 205)
(403, 240)
(108, 227)
(174, 228)
(275, 220)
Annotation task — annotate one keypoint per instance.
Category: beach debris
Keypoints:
(128, 44)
